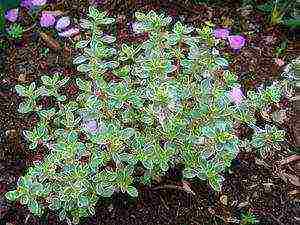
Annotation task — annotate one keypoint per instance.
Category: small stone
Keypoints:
(224, 199)
(11, 133)
(211, 211)
(22, 78)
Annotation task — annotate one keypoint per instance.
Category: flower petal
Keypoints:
(12, 15)
(47, 19)
(236, 41)
(69, 33)
(221, 33)
(38, 2)
(62, 23)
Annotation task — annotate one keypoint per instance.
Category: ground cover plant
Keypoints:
(140, 110)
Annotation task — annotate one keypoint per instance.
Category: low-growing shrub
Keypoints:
(168, 100)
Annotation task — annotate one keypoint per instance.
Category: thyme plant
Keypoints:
(146, 106)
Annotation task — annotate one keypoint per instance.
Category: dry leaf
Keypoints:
(50, 41)
(187, 187)
(292, 178)
(290, 159)
(243, 204)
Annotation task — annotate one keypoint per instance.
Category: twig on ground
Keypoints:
(188, 190)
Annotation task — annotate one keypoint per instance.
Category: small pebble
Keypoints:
(224, 199)
(22, 78)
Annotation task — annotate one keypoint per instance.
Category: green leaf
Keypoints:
(126, 157)
(91, 210)
(82, 44)
(266, 8)
(47, 81)
(83, 201)
(25, 107)
(114, 103)
(12, 195)
(132, 191)
(61, 98)
(189, 173)
(292, 23)
(164, 166)
(222, 62)
(31, 87)
(37, 188)
(34, 207)
(108, 39)
(104, 191)
(24, 200)
(33, 146)
(72, 136)
(136, 101)
(86, 24)
(139, 16)
(62, 215)
(94, 13)
(173, 39)
(258, 141)
(55, 204)
(127, 132)
(148, 164)
(63, 81)
(84, 68)
(107, 21)
(216, 182)
(20, 90)
(83, 85)
(80, 59)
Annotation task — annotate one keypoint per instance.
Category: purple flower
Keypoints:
(38, 2)
(26, 3)
(62, 23)
(47, 19)
(221, 33)
(92, 126)
(236, 42)
(69, 33)
(236, 95)
(12, 15)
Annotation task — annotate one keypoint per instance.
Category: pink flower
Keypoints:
(47, 19)
(236, 95)
(221, 33)
(38, 2)
(236, 41)
(12, 15)
(279, 62)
